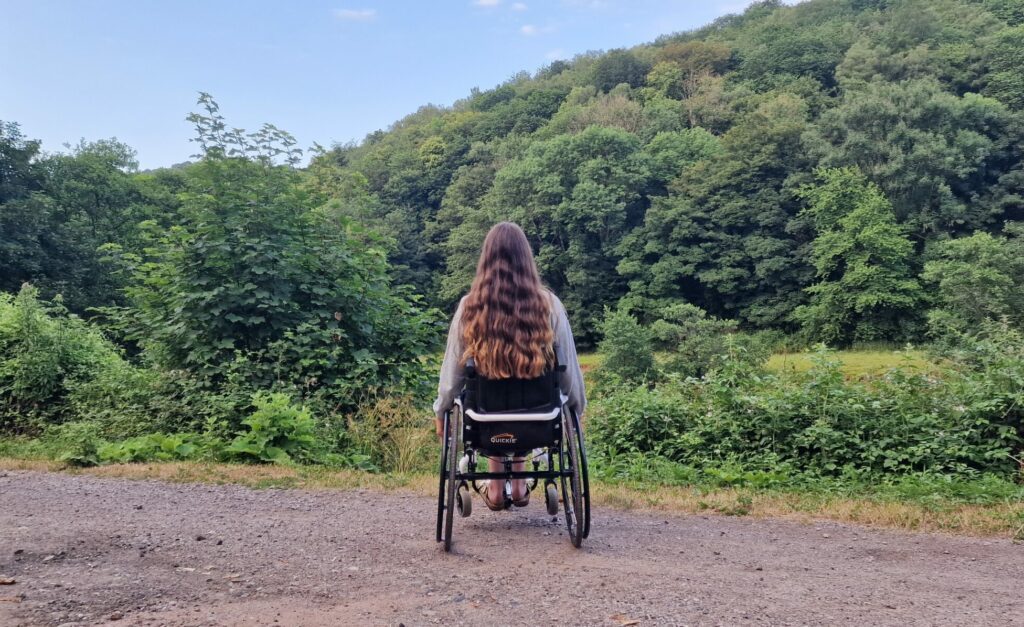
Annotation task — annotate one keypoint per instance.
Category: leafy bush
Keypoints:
(45, 352)
(75, 443)
(54, 367)
(626, 347)
(961, 423)
(279, 432)
(697, 343)
(266, 284)
(159, 447)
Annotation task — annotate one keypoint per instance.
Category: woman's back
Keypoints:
(570, 381)
(509, 323)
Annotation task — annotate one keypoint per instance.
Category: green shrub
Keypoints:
(75, 443)
(265, 286)
(643, 469)
(959, 423)
(152, 447)
(626, 347)
(279, 432)
(54, 367)
(44, 353)
(640, 420)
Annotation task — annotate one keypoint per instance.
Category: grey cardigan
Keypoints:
(570, 381)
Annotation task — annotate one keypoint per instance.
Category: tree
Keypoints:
(673, 151)
(975, 279)
(617, 67)
(261, 286)
(57, 211)
(921, 38)
(626, 347)
(937, 156)
(865, 289)
(577, 196)
(1005, 80)
(720, 239)
(780, 44)
(694, 57)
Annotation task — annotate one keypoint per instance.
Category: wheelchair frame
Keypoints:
(571, 472)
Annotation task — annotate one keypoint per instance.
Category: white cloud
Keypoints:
(518, 6)
(356, 15)
(532, 30)
(486, 3)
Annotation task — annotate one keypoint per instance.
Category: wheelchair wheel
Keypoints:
(584, 473)
(551, 499)
(454, 436)
(464, 501)
(441, 493)
(572, 491)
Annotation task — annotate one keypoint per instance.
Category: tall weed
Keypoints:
(395, 433)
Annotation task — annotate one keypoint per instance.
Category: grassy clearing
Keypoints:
(855, 363)
(994, 520)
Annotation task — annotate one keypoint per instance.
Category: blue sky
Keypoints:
(325, 71)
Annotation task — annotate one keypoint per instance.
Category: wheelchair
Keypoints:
(513, 420)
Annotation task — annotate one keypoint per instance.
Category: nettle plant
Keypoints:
(278, 431)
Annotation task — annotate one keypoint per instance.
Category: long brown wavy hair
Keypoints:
(506, 317)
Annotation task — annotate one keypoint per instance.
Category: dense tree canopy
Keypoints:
(668, 173)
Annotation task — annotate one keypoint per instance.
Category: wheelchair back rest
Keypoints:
(513, 395)
(495, 396)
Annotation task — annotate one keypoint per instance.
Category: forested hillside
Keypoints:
(702, 167)
(684, 170)
(836, 171)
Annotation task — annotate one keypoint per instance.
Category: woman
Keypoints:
(509, 323)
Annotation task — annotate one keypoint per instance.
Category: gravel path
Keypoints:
(85, 550)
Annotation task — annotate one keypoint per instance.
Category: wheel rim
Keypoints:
(571, 495)
(584, 473)
(453, 450)
(443, 478)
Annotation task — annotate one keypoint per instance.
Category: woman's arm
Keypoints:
(450, 383)
(570, 381)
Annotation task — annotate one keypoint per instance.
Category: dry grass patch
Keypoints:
(1002, 520)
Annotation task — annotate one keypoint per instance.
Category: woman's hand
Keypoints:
(439, 428)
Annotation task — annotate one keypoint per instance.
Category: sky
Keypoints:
(325, 70)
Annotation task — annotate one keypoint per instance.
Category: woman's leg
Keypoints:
(496, 487)
(519, 491)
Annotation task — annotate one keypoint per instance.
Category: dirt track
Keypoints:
(86, 550)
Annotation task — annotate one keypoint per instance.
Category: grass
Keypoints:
(1002, 519)
(589, 361)
(855, 363)
(861, 362)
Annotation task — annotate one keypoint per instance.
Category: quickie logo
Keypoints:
(503, 438)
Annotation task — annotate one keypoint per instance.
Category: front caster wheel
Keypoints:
(551, 499)
(463, 501)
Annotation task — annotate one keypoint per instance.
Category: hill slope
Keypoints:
(679, 170)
